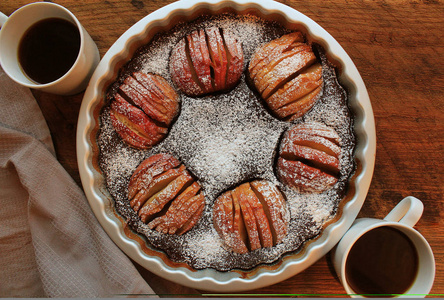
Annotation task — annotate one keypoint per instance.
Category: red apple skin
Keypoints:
(206, 61)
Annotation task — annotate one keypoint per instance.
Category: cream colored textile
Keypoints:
(51, 244)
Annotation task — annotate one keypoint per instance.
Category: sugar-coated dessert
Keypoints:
(309, 157)
(206, 60)
(165, 195)
(288, 75)
(212, 176)
(143, 109)
(254, 215)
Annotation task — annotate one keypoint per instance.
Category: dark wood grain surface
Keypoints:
(398, 47)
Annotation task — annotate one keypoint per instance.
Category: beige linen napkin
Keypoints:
(51, 245)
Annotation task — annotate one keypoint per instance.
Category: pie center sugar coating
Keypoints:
(225, 139)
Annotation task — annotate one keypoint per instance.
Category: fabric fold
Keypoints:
(51, 243)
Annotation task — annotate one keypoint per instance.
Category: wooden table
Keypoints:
(398, 47)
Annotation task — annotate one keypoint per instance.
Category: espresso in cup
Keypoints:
(383, 261)
(388, 257)
(48, 49)
(43, 46)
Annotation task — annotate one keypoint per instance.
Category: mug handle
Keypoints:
(3, 19)
(408, 211)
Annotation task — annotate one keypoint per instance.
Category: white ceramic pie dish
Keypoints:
(102, 204)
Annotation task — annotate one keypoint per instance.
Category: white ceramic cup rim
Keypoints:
(17, 15)
(425, 256)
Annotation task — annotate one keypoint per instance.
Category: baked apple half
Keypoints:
(143, 109)
(206, 61)
(254, 215)
(309, 157)
(288, 76)
(165, 195)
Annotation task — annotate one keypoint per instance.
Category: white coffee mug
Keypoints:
(403, 217)
(13, 28)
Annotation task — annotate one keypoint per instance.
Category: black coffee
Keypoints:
(382, 262)
(49, 49)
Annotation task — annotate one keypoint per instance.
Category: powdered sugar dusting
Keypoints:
(225, 139)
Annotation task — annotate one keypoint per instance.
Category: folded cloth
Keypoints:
(51, 244)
